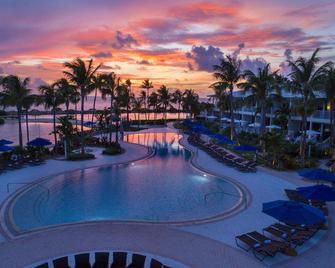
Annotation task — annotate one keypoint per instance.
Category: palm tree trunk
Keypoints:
(332, 128)
(82, 121)
(178, 110)
(94, 101)
(67, 104)
(303, 138)
(127, 111)
(111, 121)
(54, 126)
(20, 127)
(75, 110)
(263, 111)
(27, 126)
(232, 120)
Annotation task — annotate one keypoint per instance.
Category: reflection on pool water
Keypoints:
(163, 188)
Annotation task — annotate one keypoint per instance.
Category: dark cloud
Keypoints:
(253, 64)
(284, 66)
(102, 54)
(237, 51)
(190, 66)
(143, 62)
(36, 82)
(41, 67)
(205, 58)
(115, 67)
(123, 40)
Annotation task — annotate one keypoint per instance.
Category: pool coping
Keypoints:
(10, 231)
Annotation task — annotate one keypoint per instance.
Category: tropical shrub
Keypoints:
(81, 156)
(113, 149)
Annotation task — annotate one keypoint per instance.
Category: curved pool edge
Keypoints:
(246, 197)
(7, 226)
(10, 231)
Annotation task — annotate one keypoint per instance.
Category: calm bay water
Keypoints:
(37, 129)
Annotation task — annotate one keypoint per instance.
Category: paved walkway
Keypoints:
(186, 248)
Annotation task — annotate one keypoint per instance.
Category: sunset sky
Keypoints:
(171, 42)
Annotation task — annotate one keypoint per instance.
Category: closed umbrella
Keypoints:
(39, 142)
(255, 125)
(273, 127)
(317, 192)
(317, 174)
(292, 212)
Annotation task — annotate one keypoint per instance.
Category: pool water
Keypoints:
(162, 188)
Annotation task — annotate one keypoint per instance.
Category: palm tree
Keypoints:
(228, 74)
(97, 83)
(164, 99)
(52, 98)
(81, 74)
(190, 102)
(146, 84)
(109, 89)
(66, 131)
(137, 104)
(74, 99)
(261, 86)
(329, 89)
(67, 91)
(28, 102)
(220, 94)
(143, 97)
(307, 77)
(125, 96)
(153, 102)
(177, 98)
(15, 92)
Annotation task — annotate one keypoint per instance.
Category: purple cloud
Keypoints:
(253, 64)
(237, 51)
(102, 54)
(205, 58)
(143, 62)
(123, 40)
(285, 69)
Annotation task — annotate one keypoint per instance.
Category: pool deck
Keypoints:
(202, 245)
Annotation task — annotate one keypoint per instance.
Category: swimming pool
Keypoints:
(164, 188)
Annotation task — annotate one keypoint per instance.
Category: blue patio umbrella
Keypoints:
(187, 122)
(246, 148)
(5, 148)
(201, 130)
(226, 141)
(89, 124)
(292, 212)
(317, 174)
(39, 142)
(5, 142)
(217, 136)
(317, 192)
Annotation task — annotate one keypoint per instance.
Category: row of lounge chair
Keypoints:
(20, 162)
(276, 238)
(119, 260)
(294, 196)
(223, 155)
